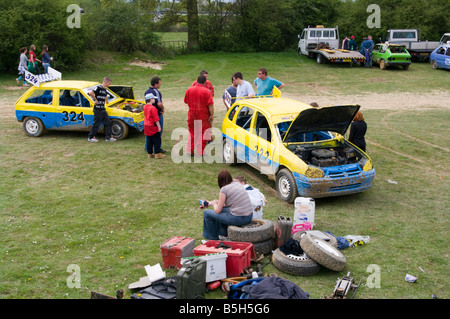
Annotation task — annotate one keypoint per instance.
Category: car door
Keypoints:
(245, 137)
(447, 59)
(72, 111)
(440, 57)
(41, 104)
(265, 148)
(375, 53)
(302, 43)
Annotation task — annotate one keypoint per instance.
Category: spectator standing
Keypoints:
(152, 128)
(208, 83)
(200, 116)
(33, 61)
(46, 58)
(100, 97)
(244, 88)
(345, 43)
(366, 50)
(230, 94)
(155, 85)
(358, 130)
(264, 84)
(353, 46)
(23, 61)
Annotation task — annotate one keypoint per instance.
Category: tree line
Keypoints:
(212, 25)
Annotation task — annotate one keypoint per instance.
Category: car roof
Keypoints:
(279, 109)
(68, 84)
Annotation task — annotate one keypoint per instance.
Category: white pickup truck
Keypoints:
(322, 44)
(410, 38)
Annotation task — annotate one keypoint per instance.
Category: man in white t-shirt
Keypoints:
(244, 88)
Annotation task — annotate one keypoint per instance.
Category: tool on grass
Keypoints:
(343, 287)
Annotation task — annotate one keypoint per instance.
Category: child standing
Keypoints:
(22, 66)
(152, 128)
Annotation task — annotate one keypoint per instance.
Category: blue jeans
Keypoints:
(216, 224)
(45, 65)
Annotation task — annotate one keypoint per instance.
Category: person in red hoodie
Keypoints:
(152, 128)
(207, 84)
(200, 116)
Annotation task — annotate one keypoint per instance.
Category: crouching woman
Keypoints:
(233, 207)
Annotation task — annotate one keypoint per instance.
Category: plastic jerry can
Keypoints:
(283, 230)
(191, 279)
(304, 210)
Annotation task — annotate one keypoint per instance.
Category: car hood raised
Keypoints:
(330, 118)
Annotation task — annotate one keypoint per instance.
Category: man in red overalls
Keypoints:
(200, 116)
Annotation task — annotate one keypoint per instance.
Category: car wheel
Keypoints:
(286, 186)
(405, 67)
(119, 129)
(320, 59)
(434, 64)
(229, 156)
(383, 65)
(257, 231)
(299, 235)
(33, 126)
(323, 253)
(264, 247)
(301, 265)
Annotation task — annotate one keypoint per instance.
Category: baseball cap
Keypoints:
(150, 96)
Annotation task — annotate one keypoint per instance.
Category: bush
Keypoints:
(43, 22)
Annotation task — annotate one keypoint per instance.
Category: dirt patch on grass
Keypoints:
(147, 64)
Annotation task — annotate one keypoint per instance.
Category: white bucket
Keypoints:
(304, 211)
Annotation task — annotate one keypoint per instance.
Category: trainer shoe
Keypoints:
(160, 155)
(93, 140)
(111, 139)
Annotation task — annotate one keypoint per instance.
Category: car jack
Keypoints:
(343, 287)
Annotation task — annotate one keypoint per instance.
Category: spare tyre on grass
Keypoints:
(330, 238)
(322, 252)
(301, 265)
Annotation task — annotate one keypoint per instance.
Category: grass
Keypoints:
(107, 209)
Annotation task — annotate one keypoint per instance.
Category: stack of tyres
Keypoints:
(260, 232)
(191, 279)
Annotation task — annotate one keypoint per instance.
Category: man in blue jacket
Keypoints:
(366, 50)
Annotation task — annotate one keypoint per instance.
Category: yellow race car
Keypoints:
(67, 105)
(302, 148)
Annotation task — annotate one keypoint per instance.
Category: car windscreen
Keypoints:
(304, 136)
(111, 96)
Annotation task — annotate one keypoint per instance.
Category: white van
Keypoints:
(311, 37)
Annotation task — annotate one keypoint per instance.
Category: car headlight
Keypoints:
(313, 172)
(365, 164)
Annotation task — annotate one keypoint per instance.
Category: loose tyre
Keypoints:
(257, 231)
(295, 265)
(323, 253)
(119, 129)
(331, 239)
(33, 126)
(285, 185)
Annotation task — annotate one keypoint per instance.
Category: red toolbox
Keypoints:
(176, 248)
(239, 254)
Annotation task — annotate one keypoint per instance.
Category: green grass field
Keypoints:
(105, 208)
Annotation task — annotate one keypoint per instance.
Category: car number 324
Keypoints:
(73, 116)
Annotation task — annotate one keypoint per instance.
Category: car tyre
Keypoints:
(119, 129)
(434, 65)
(383, 65)
(301, 265)
(258, 230)
(286, 186)
(323, 253)
(228, 153)
(299, 235)
(33, 126)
